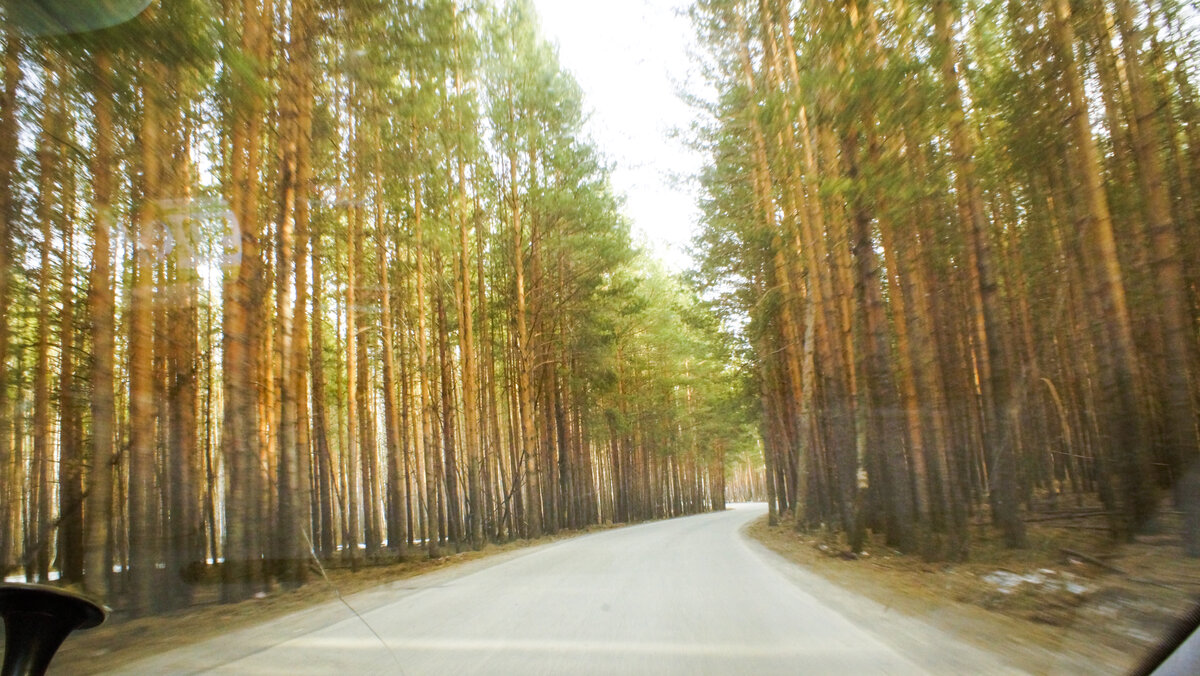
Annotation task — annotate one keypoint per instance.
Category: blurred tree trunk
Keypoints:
(429, 444)
(288, 547)
(241, 325)
(1000, 435)
(448, 468)
(353, 391)
(97, 563)
(70, 460)
(1120, 386)
(325, 541)
(144, 544)
(523, 356)
(300, 51)
(1175, 389)
(185, 539)
(396, 441)
(39, 529)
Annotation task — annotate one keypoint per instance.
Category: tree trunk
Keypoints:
(1000, 436)
(303, 503)
(353, 391)
(8, 163)
(143, 541)
(523, 356)
(397, 493)
(70, 461)
(97, 563)
(1175, 393)
(448, 470)
(428, 443)
(39, 534)
(321, 450)
(1120, 384)
(242, 568)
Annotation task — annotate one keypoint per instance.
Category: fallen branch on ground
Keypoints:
(1113, 569)
(1064, 516)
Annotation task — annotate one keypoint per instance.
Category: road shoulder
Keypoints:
(917, 625)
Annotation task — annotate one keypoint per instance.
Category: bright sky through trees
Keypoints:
(630, 56)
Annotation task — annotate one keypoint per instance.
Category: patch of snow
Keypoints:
(1044, 579)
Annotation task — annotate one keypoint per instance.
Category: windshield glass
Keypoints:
(333, 334)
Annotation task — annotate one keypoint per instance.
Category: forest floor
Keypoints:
(122, 640)
(1071, 597)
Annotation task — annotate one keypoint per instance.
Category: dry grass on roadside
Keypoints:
(1071, 589)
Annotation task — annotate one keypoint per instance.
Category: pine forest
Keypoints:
(959, 243)
(287, 284)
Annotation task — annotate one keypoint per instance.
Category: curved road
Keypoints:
(684, 596)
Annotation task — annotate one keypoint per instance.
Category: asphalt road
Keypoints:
(684, 596)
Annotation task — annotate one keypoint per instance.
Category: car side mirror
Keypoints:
(37, 619)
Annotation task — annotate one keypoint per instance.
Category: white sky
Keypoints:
(631, 57)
